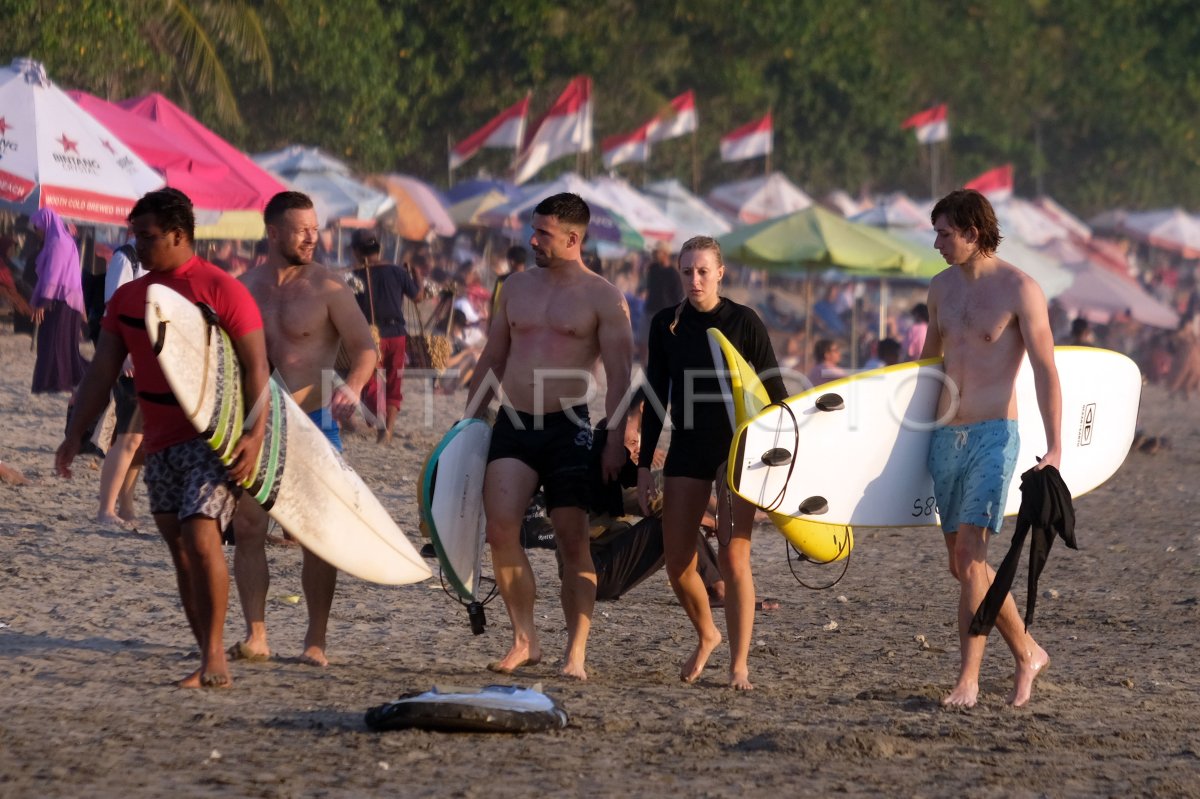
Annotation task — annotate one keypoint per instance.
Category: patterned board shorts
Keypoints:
(972, 466)
(188, 480)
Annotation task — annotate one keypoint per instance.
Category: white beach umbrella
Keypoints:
(690, 214)
(759, 199)
(53, 154)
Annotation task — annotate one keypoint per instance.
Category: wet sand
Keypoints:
(92, 637)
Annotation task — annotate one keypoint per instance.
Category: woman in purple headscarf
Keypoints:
(57, 306)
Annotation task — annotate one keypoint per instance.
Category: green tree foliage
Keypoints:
(1094, 103)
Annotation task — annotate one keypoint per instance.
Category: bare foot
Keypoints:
(517, 657)
(251, 652)
(314, 656)
(694, 665)
(384, 436)
(574, 670)
(12, 476)
(740, 681)
(109, 521)
(190, 681)
(965, 694)
(212, 679)
(1026, 673)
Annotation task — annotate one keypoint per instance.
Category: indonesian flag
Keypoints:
(506, 129)
(565, 129)
(627, 148)
(676, 120)
(996, 184)
(930, 125)
(748, 141)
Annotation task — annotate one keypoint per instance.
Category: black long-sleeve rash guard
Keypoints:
(673, 355)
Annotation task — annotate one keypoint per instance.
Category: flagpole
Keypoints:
(695, 164)
(933, 170)
(449, 162)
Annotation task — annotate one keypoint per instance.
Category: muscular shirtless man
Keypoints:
(551, 325)
(307, 310)
(984, 316)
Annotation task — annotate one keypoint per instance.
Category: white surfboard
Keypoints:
(300, 480)
(452, 501)
(745, 397)
(853, 451)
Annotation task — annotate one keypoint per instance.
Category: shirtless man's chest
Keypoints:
(983, 346)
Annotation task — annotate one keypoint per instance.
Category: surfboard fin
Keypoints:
(830, 402)
(814, 506)
(777, 457)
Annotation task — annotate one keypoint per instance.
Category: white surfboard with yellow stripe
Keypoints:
(745, 398)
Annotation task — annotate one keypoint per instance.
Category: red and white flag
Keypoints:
(749, 141)
(506, 129)
(996, 184)
(626, 148)
(676, 120)
(565, 129)
(930, 125)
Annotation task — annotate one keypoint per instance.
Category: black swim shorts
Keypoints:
(558, 446)
(697, 453)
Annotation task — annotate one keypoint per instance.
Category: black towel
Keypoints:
(1046, 509)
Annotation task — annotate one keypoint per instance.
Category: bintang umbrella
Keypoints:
(54, 155)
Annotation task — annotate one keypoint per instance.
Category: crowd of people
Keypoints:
(490, 327)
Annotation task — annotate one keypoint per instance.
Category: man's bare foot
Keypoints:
(739, 680)
(384, 436)
(314, 656)
(694, 665)
(1026, 673)
(251, 652)
(211, 679)
(965, 694)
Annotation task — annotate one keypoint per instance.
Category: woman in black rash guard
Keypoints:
(680, 368)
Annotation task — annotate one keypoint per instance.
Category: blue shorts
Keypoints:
(972, 466)
(323, 419)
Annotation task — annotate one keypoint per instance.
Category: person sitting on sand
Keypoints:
(192, 495)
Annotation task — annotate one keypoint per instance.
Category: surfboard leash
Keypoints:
(800, 557)
(774, 504)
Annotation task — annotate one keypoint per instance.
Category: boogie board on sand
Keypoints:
(745, 397)
(862, 441)
(452, 502)
(300, 480)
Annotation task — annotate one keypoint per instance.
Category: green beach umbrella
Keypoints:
(816, 237)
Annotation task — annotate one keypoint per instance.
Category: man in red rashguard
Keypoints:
(192, 496)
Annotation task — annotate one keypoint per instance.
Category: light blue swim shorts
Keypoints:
(323, 419)
(972, 466)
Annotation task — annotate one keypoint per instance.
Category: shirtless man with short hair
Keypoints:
(985, 315)
(307, 311)
(551, 324)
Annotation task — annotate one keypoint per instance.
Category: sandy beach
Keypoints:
(92, 637)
